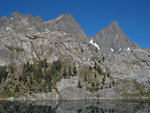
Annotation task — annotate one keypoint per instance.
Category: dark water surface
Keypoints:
(75, 106)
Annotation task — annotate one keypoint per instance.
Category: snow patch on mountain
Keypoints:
(129, 49)
(58, 33)
(59, 17)
(47, 30)
(8, 28)
(112, 49)
(91, 41)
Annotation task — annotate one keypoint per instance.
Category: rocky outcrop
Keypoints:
(148, 49)
(68, 90)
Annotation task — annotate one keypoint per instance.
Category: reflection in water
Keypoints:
(75, 107)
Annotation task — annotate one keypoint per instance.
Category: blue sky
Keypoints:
(133, 15)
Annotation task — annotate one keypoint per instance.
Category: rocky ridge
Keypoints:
(106, 65)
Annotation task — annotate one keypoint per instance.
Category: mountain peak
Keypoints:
(112, 38)
(30, 16)
(67, 24)
(114, 26)
(3, 18)
(16, 14)
(69, 15)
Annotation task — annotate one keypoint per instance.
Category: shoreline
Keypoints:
(98, 99)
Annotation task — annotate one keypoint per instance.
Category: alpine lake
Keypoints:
(90, 106)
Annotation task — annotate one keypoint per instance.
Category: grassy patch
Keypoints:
(17, 49)
(7, 95)
(33, 37)
(92, 89)
(138, 91)
(136, 95)
(55, 79)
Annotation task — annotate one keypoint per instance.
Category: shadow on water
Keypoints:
(124, 106)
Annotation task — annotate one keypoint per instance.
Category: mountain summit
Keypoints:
(67, 24)
(112, 39)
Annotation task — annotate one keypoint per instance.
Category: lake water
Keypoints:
(75, 106)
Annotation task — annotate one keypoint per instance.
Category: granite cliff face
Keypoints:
(109, 66)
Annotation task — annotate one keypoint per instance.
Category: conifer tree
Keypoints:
(85, 79)
(79, 84)
(64, 72)
(95, 75)
(17, 88)
(45, 64)
(103, 80)
(69, 71)
(11, 69)
(90, 68)
(97, 85)
(93, 85)
(74, 71)
(99, 70)
(95, 65)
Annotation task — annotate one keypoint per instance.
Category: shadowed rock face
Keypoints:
(112, 39)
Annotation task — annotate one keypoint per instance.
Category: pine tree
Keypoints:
(85, 79)
(27, 67)
(93, 85)
(95, 65)
(56, 67)
(3, 73)
(108, 75)
(103, 58)
(11, 69)
(99, 70)
(17, 88)
(69, 71)
(31, 81)
(64, 72)
(109, 85)
(97, 85)
(45, 63)
(74, 71)
(103, 80)
(20, 78)
(31, 68)
(39, 75)
(90, 68)
(79, 84)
